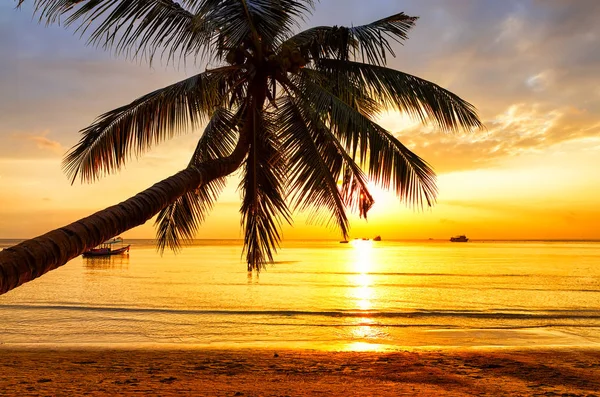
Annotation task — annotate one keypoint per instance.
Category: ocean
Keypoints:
(322, 295)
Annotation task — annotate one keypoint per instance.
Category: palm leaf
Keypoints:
(315, 165)
(417, 97)
(264, 21)
(389, 162)
(179, 221)
(291, 13)
(109, 141)
(370, 43)
(354, 190)
(275, 19)
(188, 27)
(135, 27)
(263, 205)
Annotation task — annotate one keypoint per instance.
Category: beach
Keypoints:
(246, 372)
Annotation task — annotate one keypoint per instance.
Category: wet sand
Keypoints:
(62, 372)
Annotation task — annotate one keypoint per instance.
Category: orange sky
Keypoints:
(527, 66)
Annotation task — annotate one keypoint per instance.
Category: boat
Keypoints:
(459, 239)
(344, 242)
(377, 238)
(107, 248)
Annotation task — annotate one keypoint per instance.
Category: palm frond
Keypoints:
(179, 222)
(354, 190)
(279, 17)
(187, 27)
(295, 12)
(157, 116)
(262, 20)
(135, 27)
(370, 43)
(263, 205)
(417, 97)
(315, 166)
(389, 162)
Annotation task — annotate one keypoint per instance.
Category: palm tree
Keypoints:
(294, 110)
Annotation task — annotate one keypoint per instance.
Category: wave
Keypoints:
(499, 314)
(386, 285)
(484, 275)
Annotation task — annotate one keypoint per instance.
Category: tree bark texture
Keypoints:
(35, 257)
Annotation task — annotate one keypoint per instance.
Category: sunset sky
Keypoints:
(532, 68)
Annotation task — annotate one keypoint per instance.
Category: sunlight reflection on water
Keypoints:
(367, 329)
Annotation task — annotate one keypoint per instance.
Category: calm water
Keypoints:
(324, 295)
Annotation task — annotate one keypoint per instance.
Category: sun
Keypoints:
(381, 196)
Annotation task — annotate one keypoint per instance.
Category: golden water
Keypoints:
(359, 296)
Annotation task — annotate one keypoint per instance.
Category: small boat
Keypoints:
(344, 242)
(107, 248)
(377, 238)
(459, 239)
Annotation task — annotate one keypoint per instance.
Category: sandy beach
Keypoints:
(65, 372)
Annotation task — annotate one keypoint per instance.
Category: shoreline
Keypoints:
(294, 372)
(356, 347)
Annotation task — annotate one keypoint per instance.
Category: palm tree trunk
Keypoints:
(33, 258)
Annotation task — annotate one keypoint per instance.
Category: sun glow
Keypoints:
(364, 251)
(362, 292)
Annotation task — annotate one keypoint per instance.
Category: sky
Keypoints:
(530, 67)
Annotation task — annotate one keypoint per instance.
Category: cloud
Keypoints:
(541, 81)
(519, 129)
(44, 143)
(531, 69)
(32, 145)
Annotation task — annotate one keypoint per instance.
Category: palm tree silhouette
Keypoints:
(294, 110)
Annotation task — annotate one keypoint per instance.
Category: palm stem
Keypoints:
(20, 263)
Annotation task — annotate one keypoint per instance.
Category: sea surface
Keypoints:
(364, 295)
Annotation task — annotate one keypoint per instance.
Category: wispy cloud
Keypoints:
(44, 143)
(521, 128)
(33, 144)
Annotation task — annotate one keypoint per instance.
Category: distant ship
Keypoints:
(459, 239)
(377, 238)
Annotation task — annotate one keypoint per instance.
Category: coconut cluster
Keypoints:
(289, 59)
(236, 56)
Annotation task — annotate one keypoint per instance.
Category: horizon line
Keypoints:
(357, 238)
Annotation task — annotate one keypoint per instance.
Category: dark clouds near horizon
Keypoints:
(530, 67)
